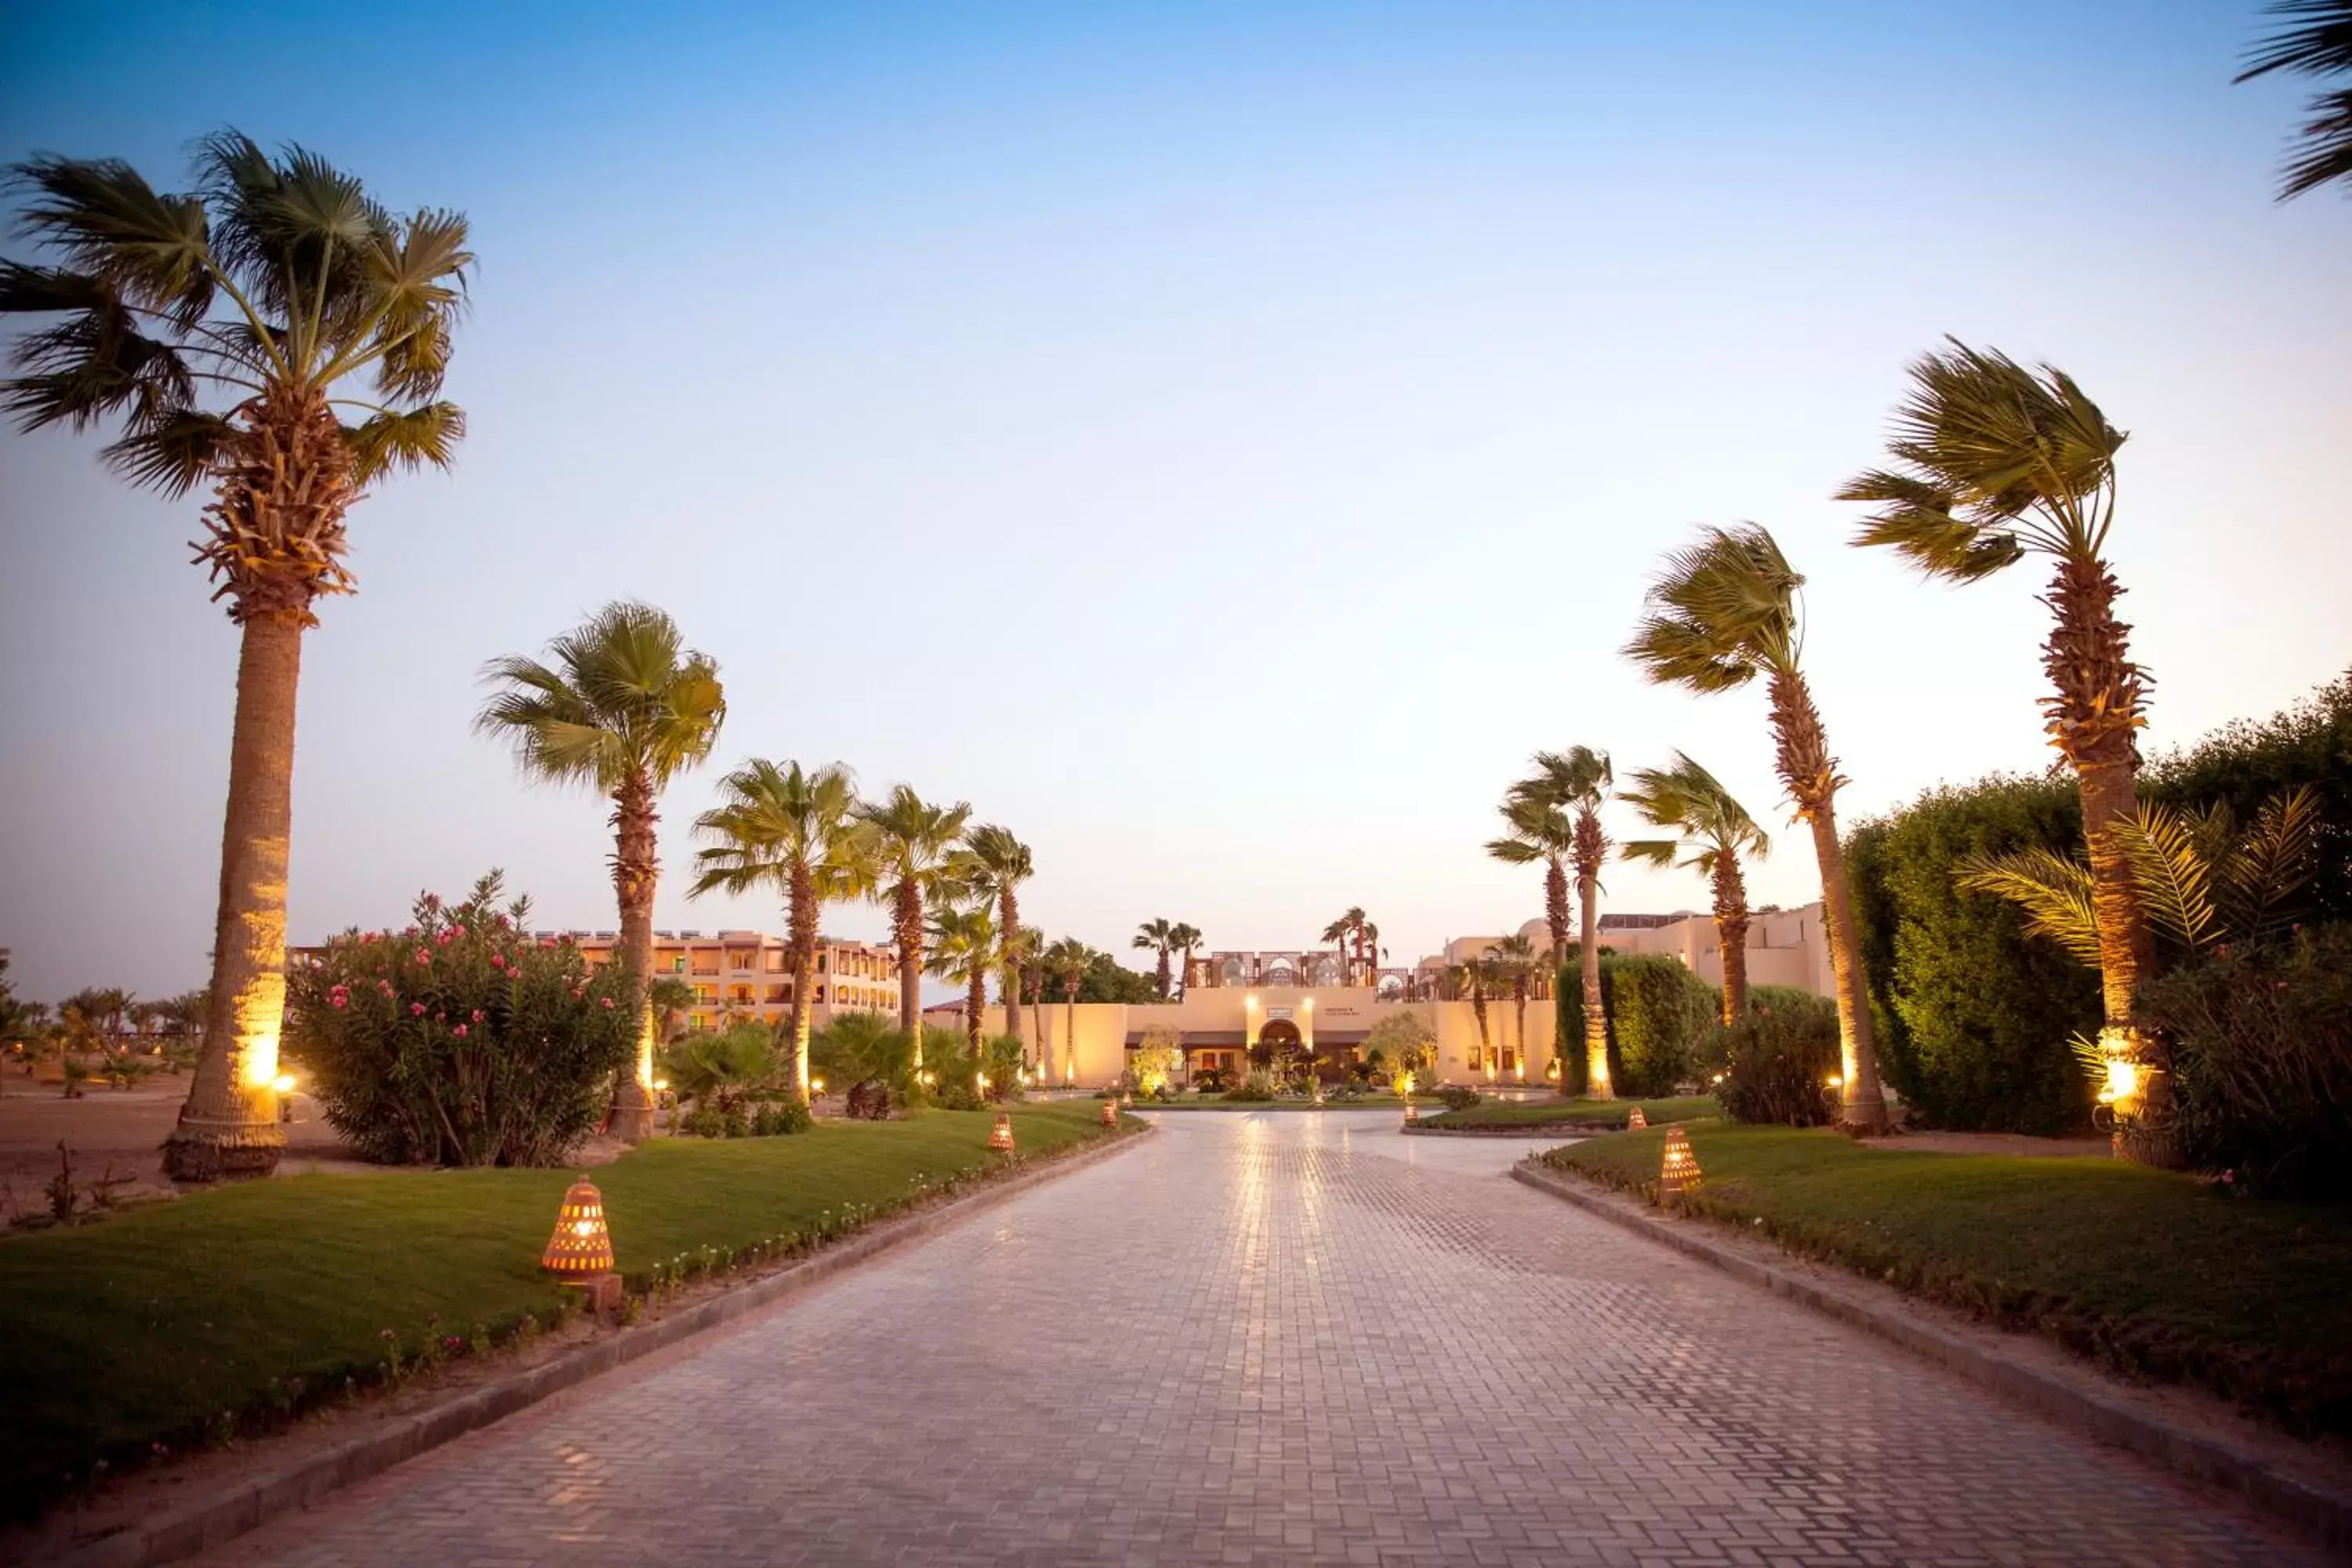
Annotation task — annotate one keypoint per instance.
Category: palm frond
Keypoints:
(110, 223)
(2171, 873)
(426, 436)
(1659, 852)
(2323, 153)
(2055, 892)
(175, 452)
(2320, 44)
(2265, 872)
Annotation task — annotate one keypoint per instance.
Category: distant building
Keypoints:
(1785, 947)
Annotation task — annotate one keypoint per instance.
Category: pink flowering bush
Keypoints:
(463, 1040)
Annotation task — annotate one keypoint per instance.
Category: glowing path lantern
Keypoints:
(1679, 1177)
(580, 1251)
(1111, 1113)
(1636, 1122)
(1000, 1137)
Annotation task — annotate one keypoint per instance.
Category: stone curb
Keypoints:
(201, 1526)
(2216, 1461)
(1556, 1130)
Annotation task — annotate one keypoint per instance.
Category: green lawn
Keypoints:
(2151, 1271)
(1219, 1102)
(204, 1312)
(1593, 1114)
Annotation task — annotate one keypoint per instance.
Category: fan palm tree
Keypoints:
(1069, 959)
(1020, 951)
(1157, 936)
(1000, 863)
(1575, 783)
(1712, 832)
(1991, 462)
(964, 947)
(623, 706)
(1513, 961)
(1347, 930)
(1536, 833)
(1368, 937)
(671, 999)
(779, 825)
(1185, 938)
(220, 332)
(2320, 45)
(1724, 611)
(917, 851)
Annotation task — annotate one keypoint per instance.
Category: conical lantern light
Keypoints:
(1679, 1177)
(1000, 1137)
(581, 1247)
(1111, 1113)
(1636, 1122)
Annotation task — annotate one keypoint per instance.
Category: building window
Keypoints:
(775, 994)
(775, 960)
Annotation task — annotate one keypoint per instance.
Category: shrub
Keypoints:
(1974, 1014)
(1458, 1097)
(1153, 1064)
(1778, 1061)
(1257, 1087)
(2262, 1059)
(1660, 1019)
(1004, 1059)
(1404, 1042)
(868, 1099)
(461, 1041)
(1210, 1080)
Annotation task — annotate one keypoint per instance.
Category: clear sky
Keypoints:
(1220, 442)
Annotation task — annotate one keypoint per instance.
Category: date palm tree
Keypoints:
(1000, 863)
(2319, 44)
(1724, 612)
(1185, 938)
(779, 825)
(1993, 461)
(1068, 960)
(1712, 833)
(964, 947)
(1513, 961)
(1576, 784)
(919, 852)
(1535, 833)
(223, 333)
(1157, 936)
(624, 707)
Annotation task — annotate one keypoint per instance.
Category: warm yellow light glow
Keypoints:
(1404, 1084)
(583, 1228)
(260, 1063)
(816, 1086)
(1250, 1002)
(1308, 1003)
(283, 1083)
(983, 1081)
(661, 1083)
(1834, 1082)
(2123, 1080)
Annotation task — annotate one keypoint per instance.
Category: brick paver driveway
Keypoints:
(1276, 1338)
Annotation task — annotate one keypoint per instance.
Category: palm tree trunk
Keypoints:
(229, 1126)
(975, 1003)
(1731, 933)
(907, 909)
(1556, 910)
(1162, 976)
(1478, 1011)
(1596, 1019)
(1037, 1017)
(800, 934)
(2145, 1132)
(1519, 996)
(1008, 917)
(636, 869)
(1864, 1105)
(1070, 1034)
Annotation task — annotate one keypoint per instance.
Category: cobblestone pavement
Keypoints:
(1277, 1339)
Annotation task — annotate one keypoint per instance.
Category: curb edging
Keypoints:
(2324, 1514)
(202, 1526)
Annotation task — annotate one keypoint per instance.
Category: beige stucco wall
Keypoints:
(1786, 948)
(1100, 1029)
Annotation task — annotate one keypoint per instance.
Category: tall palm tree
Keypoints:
(1712, 832)
(1157, 936)
(671, 999)
(1513, 961)
(1991, 462)
(964, 947)
(779, 825)
(1724, 612)
(1000, 864)
(1069, 959)
(2320, 45)
(623, 706)
(1021, 950)
(1576, 783)
(220, 332)
(1470, 980)
(917, 851)
(1347, 930)
(1534, 832)
(1186, 937)
(1368, 937)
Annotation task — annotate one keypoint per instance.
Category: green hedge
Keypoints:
(1662, 1023)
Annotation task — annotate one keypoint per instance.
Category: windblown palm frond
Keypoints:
(2317, 44)
(1535, 833)
(1685, 796)
(1723, 611)
(622, 695)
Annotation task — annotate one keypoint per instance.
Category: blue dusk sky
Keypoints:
(1220, 442)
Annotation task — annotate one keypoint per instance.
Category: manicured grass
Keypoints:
(1219, 1102)
(2151, 1271)
(1578, 1113)
(188, 1317)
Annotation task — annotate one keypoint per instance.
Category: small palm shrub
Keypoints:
(461, 1040)
(1779, 1061)
(1256, 1088)
(2262, 1057)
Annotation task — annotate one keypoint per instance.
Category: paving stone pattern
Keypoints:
(1277, 1339)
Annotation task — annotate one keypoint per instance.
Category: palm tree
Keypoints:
(1020, 953)
(964, 947)
(780, 827)
(1000, 864)
(1347, 928)
(1993, 461)
(2320, 46)
(217, 329)
(671, 999)
(1513, 960)
(1157, 936)
(1368, 937)
(1724, 612)
(1070, 959)
(624, 707)
(1534, 832)
(1575, 783)
(918, 853)
(1712, 831)
(1185, 938)
(1470, 980)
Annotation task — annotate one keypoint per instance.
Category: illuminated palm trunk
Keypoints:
(635, 869)
(1008, 917)
(1070, 1032)
(1589, 847)
(908, 932)
(802, 935)
(1731, 933)
(228, 1125)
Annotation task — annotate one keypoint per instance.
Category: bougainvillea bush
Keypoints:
(462, 1040)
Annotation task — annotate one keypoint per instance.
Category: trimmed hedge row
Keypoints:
(1661, 1018)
